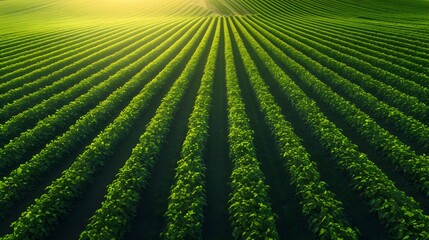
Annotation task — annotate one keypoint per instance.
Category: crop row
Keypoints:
(19, 182)
(84, 67)
(325, 213)
(26, 63)
(410, 127)
(365, 44)
(249, 205)
(404, 85)
(274, 9)
(30, 141)
(358, 59)
(31, 45)
(408, 104)
(19, 121)
(18, 39)
(401, 214)
(42, 216)
(111, 221)
(380, 139)
(49, 73)
(404, 44)
(386, 51)
(187, 196)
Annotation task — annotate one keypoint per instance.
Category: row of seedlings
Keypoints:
(249, 205)
(47, 74)
(388, 52)
(324, 212)
(31, 44)
(187, 197)
(92, 64)
(380, 139)
(17, 150)
(408, 104)
(112, 219)
(419, 82)
(42, 216)
(18, 121)
(400, 213)
(48, 55)
(19, 182)
(408, 126)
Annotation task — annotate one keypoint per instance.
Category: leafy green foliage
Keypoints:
(187, 197)
(392, 206)
(325, 213)
(123, 194)
(250, 210)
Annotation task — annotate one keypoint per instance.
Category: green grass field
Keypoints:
(207, 119)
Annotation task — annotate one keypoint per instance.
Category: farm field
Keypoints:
(208, 119)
